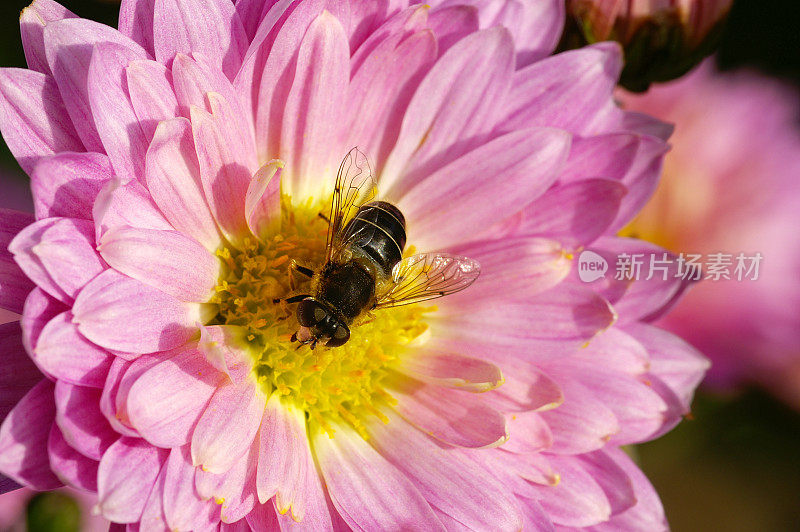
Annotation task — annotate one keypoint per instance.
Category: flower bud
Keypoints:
(663, 39)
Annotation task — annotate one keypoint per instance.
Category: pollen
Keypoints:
(331, 385)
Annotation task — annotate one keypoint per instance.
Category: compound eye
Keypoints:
(340, 336)
(310, 312)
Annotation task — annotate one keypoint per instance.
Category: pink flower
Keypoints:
(731, 187)
(180, 164)
(662, 39)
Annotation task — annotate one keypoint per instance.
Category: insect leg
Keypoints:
(324, 217)
(294, 267)
(293, 299)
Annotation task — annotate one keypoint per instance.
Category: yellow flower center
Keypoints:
(343, 383)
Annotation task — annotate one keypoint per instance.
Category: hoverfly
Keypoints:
(364, 268)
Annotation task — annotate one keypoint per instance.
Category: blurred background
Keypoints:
(733, 464)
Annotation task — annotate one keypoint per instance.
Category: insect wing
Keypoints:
(428, 276)
(355, 186)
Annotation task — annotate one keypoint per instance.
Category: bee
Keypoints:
(364, 268)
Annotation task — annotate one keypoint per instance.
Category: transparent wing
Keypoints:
(355, 186)
(428, 276)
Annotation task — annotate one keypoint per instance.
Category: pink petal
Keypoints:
(117, 312)
(183, 506)
(532, 467)
(381, 88)
(228, 426)
(224, 176)
(566, 312)
(17, 373)
(450, 24)
(61, 351)
(68, 45)
(39, 309)
(454, 108)
(150, 90)
(125, 477)
(165, 260)
(221, 346)
(236, 489)
(136, 21)
(194, 77)
(528, 433)
(211, 27)
(641, 179)
(117, 124)
(576, 213)
(534, 516)
(612, 479)
(108, 397)
(545, 263)
(672, 360)
(536, 26)
(120, 381)
(452, 416)
(458, 488)
(528, 161)
(608, 156)
(581, 423)
(126, 205)
(526, 387)
(166, 400)
(367, 491)
(81, 422)
(58, 254)
(638, 297)
(23, 445)
(310, 508)
(69, 465)
(281, 458)
(262, 206)
(67, 184)
(269, 65)
(403, 24)
(173, 177)
(263, 517)
(251, 13)
(314, 106)
(648, 513)
(153, 517)
(615, 350)
(564, 90)
(367, 15)
(33, 118)
(32, 21)
(453, 370)
(577, 500)
(639, 410)
(647, 125)
(14, 284)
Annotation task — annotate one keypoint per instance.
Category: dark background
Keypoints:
(735, 465)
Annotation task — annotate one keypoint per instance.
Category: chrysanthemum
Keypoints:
(180, 164)
(730, 187)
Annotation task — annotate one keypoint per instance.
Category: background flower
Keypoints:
(730, 186)
(662, 39)
(161, 238)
